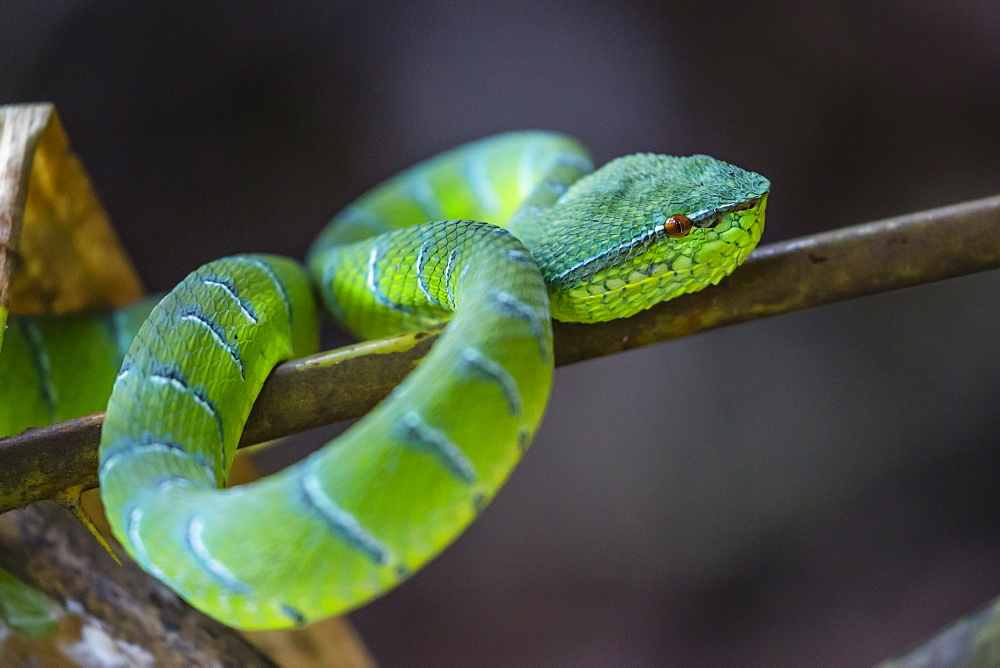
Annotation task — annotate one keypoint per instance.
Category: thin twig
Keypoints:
(780, 278)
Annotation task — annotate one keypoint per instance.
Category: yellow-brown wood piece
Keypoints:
(58, 251)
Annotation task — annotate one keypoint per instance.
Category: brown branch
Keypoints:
(780, 278)
(973, 640)
(46, 548)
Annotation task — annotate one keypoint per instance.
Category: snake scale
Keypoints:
(360, 515)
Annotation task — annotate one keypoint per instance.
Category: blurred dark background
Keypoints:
(827, 495)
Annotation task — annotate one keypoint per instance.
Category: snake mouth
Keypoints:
(706, 219)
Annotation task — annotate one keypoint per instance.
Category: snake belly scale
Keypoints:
(496, 237)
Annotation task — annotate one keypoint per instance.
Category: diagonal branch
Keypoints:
(48, 549)
(780, 278)
(973, 640)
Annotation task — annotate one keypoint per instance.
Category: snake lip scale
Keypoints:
(496, 237)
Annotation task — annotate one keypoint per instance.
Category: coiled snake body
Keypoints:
(358, 516)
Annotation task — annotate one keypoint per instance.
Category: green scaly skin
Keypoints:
(352, 521)
(54, 368)
(63, 366)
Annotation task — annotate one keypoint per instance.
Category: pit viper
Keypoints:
(496, 238)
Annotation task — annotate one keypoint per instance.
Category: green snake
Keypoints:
(360, 515)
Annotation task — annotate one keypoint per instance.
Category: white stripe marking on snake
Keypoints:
(132, 531)
(245, 306)
(574, 161)
(527, 165)
(199, 317)
(279, 286)
(447, 276)
(371, 279)
(422, 191)
(206, 404)
(133, 447)
(495, 372)
(421, 279)
(420, 436)
(477, 173)
(361, 217)
(342, 524)
(218, 570)
(513, 306)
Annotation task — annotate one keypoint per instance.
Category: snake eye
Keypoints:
(677, 226)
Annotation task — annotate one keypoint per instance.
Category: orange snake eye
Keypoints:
(677, 226)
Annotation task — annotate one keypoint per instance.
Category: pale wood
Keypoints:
(58, 250)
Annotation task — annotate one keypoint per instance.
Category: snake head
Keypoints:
(646, 228)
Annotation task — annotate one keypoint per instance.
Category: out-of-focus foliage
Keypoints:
(26, 611)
